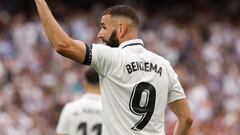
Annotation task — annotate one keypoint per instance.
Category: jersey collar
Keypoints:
(131, 43)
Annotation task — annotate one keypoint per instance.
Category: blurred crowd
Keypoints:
(35, 81)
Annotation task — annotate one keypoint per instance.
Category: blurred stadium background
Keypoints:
(201, 38)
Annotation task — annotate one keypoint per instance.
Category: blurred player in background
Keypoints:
(83, 116)
(136, 85)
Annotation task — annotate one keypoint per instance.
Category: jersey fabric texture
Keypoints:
(81, 117)
(136, 85)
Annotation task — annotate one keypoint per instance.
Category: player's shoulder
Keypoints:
(74, 103)
(96, 45)
(159, 57)
(103, 46)
(85, 99)
(106, 50)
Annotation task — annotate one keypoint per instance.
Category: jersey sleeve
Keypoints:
(104, 59)
(62, 126)
(175, 90)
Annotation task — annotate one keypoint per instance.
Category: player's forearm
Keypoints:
(183, 126)
(56, 35)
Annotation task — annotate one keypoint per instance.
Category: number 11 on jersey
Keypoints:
(142, 103)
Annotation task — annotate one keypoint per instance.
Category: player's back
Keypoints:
(136, 86)
(82, 117)
(136, 92)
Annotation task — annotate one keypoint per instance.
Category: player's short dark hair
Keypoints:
(123, 10)
(92, 76)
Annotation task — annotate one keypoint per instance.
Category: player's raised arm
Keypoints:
(63, 44)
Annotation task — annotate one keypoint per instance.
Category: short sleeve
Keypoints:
(175, 90)
(62, 126)
(105, 59)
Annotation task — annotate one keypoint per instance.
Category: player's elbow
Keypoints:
(188, 120)
(61, 46)
(61, 49)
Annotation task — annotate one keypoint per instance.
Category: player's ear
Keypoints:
(122, 28)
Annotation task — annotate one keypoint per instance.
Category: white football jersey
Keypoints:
(136, 85)
(81, 117)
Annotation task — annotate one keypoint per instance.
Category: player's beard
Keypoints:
(113, 40)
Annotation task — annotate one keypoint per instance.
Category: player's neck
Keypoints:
(130, 36)
(94, 92)
(92, 89)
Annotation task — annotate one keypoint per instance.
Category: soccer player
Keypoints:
(136, 84)
(83, 116)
